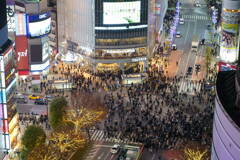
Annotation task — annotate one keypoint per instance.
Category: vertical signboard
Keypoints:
(22, 54)
(21, 26)
(10, 16)
(45, 48)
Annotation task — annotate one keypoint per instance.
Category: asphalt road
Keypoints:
(30, 107)
(196, 20)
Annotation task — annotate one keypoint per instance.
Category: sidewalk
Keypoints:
(171, 70)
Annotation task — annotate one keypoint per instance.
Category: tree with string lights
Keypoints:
(191, 154)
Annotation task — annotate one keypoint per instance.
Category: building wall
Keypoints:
(230, 31)
(76, 22)
(231, 4)
(226, 135)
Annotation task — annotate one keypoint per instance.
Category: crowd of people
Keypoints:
(35, 119)
(155, 114)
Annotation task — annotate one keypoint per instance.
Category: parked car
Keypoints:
(33, 97)
(41, 102)
(115, 148)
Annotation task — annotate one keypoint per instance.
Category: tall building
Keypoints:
(109, 35)
(226, 127)
(9, 126)
(230, 31)
(33, 21)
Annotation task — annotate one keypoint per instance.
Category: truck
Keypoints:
(195, 44)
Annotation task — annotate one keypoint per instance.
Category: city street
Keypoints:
(196, 20)
(30, 107)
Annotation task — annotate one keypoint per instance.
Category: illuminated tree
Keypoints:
(43, 152)
(83, 118)
(66, 141)
(208, 59)
(191, 154)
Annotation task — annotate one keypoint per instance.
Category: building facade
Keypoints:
(110, 35)
(33, 27)
(226, 127)
(229, 44)
(9, 119)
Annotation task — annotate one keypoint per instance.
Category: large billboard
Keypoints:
(116, 13)
(121, 12)
(39, 25)
(229, 42)
(22, 53)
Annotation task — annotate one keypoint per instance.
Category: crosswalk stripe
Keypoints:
(189, 87)
(196, 17)
(95, 135)
(98, 135)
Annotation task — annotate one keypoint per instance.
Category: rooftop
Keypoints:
(227, 83)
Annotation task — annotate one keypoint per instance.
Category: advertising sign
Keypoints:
(3, 97)
(226, 67)
(21, 26)
(45, 48)
(22, 53)
(228, 49)
(10, 16)
(38, 17)
(9, 67)
(39, 24)
(40, 28)
(121, 12)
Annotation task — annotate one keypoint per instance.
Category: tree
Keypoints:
(43, 152)
(66, 142)
(57, 108)
(33, 135)
(208, 59)
(191, 154)
(83, 118)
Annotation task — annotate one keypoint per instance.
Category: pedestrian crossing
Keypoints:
(189, 87)
(196, 17)
(100, 136)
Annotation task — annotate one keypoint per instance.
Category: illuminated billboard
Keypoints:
(229, 42)
(21, 25)
(22, 53)
(37, 29)
(10, 16)
(45, 48)
(39, 25)
(121, 12)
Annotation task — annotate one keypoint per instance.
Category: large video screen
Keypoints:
(229, 42)
(121, 12)
(40, 28)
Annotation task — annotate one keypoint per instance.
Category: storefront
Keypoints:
(9, 117)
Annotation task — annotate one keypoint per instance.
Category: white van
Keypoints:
(195, 44)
